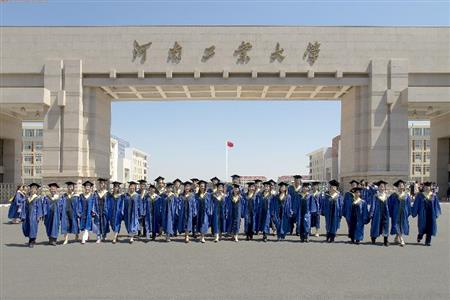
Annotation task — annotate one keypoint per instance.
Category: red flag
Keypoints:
(230, 144)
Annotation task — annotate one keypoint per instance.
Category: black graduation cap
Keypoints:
(267, 182)
(221, 184)
(53, 184)
(152, 186)
(235, 185)
(159, 178)
(202, 181)
(297, 176)
(235, 176)
(397, 183)
(187, 183)
(194, 179)
(333, 183)
(250, 183)
(141, 181)
(70, 183)
(258, 180)
(102, 180)
(362, 181)
(354, 181)
(116, 183)
(378, 183)
(427, 183)
(169, 184)
(356, 189)
(177, 180)
(132, 182)
(305, 184)
(34, 184)
(214, 178)
(87, 182)
(282, 184)
(315, 182)
(272, 181)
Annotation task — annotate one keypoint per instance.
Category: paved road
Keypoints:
(227, 270)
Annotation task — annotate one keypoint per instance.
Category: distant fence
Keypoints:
(7, 190)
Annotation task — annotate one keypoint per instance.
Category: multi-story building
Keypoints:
(335, 157)
(419, 151)
(246, 179)
(117, 157)
(290, 178)
(320, 164)
(32, 139)
(136, 164)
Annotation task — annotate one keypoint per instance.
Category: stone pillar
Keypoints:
(11, 136)
(76, 126)
(374, 125)
(440, 152)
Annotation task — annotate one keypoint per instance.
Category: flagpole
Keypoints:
(226, 161)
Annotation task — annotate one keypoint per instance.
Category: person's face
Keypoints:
(236, 190)
(161, 183)
(102, 185)
(252, 188)
(401, 186)
(220, 188)
(142, 186)
(357, 194)
(26, 189)
(116, 188)
(34, 189)
(363, 183)
(187, 188)
(382, 187)
(235, 180)
(333, 188)
(169, 188)
(132, 188)
(70, 188)
(259, 185)
(215, 181)
(152, 190)
(297, 181)
(354, 184)
(266, 187)
(177, 185)
(87, 188)
(426, 188)
(315, 187)
(202, 187)
(305, 189)
(282, 188)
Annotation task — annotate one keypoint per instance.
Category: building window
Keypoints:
(426, 170)
(28, 158)
(38, 158)
(427, 145)
(426, 132)
(28, 171)
(417, 157)
(38, 170)
(417, 145)
(29, 132)
(38, 146)
(39, 132)
(27, 146)
(427, 157)
(417, 131)
(417, 169)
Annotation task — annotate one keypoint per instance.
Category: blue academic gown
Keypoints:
(316, 204)
(332, 211)
(347, 203)
(218, 213)
(52, 215)
(32, 211)
(70, 214)
(250, 212)
(303, 214)
(234, 213)
(367, 195)
(203, 209)
(169, 207)
(357, 215)
(427, 211)
(264, 212)
(399, 210)
(151, 209)
(16, 205)
(379, 213)
(101, 214)
(131, 211)
(281, 213)
(115, 204)
(186, 211)
(87, 210)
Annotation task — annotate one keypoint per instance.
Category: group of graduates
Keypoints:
(194, 208)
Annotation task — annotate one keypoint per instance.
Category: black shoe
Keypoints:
(264, 238)
(419, 238)
(357, 242)
(30, 245)
(386, 242)
(374, 240)
(306, 240)
(247, 238)
(427, 244)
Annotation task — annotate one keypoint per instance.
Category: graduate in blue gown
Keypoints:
(367, 192)
(303, 213)
(132, 210)
(87, 199)
(427, 209)
(70, 213)
(316, 206)
(282, 211)
(151, 211)
(115, 203)
(349, 197)
(264, 209)
(294, 190)
(234, 211)
(161, 191)
(169, 207)
(218, 212)
(250, 209)
(177, 190)
(31, 213)
(332, 210)
(52, 205)
(16, 204)
(379, 214)
(101, 211)
(399, 204)
(186, 211)
(203, 202)
(357, 215)
(213, 188)
(142, 191)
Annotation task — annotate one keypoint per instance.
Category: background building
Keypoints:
(320, 164)
(419, 152)
(117, 158)
(135, 164)
(335, 157)
(246, 179)
(32, 139)
(290, 178)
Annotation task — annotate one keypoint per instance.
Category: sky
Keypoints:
(187, 139)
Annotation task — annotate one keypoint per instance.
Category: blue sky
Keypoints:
(187, 139)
